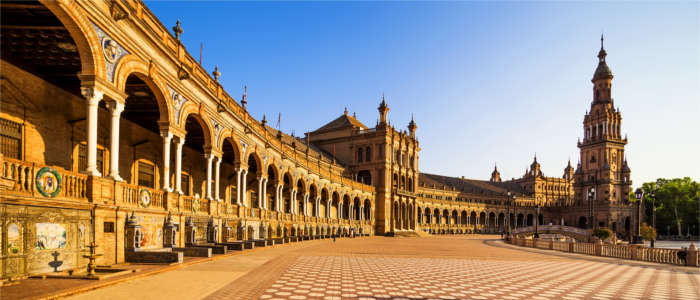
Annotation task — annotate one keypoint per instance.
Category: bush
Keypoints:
(648, 232)
(602, 233)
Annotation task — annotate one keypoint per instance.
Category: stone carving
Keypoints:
(112, 51)
(178, 103)
(217, 130)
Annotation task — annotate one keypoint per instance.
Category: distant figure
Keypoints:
(682, 255)
(334, 237)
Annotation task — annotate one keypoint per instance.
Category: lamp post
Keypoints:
(637, 237)
(653, 215)
(591, 196)
(508, 218)
(537, 220)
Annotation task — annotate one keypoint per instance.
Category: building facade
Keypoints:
(112, 133)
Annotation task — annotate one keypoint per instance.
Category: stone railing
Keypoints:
(554, 228)
(20, 177)
(130, 195)
(632, 252)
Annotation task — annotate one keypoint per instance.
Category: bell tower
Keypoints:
(603, 169)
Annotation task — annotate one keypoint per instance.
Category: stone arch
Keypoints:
(231, 150)
(83, 33)
(258, 162)
(324, 208)
(132, 65)
(191, 111)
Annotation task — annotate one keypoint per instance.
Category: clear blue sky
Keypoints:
(487, 82)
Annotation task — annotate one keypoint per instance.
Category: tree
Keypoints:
(677, 204)
(648, 232)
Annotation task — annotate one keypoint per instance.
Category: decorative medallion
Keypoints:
(217, 129)
(112, 52)
(145, 198)
(244, 146)
(195, 205)
(48, 182)
(178, 103)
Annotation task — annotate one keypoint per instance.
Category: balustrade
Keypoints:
(21, 176)
(633, 252)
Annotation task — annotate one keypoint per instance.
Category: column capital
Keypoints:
(167, 135)
(91, 94)
(179, 141)
(115, 107)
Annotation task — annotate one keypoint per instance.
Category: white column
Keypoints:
(306, 204)
(244, 179)
(210, 158)
(116, 108)
(167, 137)
(238, 186)
(217, 176)
(318, 206)
(293, 202)
(362, 212)
(278, 198)
(264, 191)
(93, 97)
(260, 192)
(328, 208)
(340, 210)
(178, 164)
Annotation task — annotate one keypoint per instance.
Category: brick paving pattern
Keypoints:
(334, 277)
(411, 268)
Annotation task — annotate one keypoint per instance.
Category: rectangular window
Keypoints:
(185, 184)
(82, 158)
(109, 227)
(11, 139)
(146, 175)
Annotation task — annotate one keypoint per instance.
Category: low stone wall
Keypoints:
(164, 257)
(632, 252)
(194, 251)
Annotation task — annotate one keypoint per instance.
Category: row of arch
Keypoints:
(495, 220)
(182, 121)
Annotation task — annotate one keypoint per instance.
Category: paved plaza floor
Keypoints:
(444, 267)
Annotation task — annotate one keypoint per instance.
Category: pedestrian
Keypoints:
(334, 237)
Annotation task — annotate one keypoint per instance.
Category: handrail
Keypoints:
(632, 252)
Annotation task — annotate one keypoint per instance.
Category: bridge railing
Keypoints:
(632, 252)
(550, 228)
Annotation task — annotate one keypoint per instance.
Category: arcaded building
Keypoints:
(111, 133)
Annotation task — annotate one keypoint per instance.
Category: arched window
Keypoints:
(359, 154)
(368, 154)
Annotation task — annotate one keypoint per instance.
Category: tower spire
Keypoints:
(383, 109)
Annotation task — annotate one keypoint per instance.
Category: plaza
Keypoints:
(129, 170)
(436, 267)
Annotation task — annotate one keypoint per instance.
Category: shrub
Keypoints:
(602, 233)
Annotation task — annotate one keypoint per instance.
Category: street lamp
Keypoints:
(638, 237)
(653, 215)
(591, 197)
(537, 220)
(508, 216)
